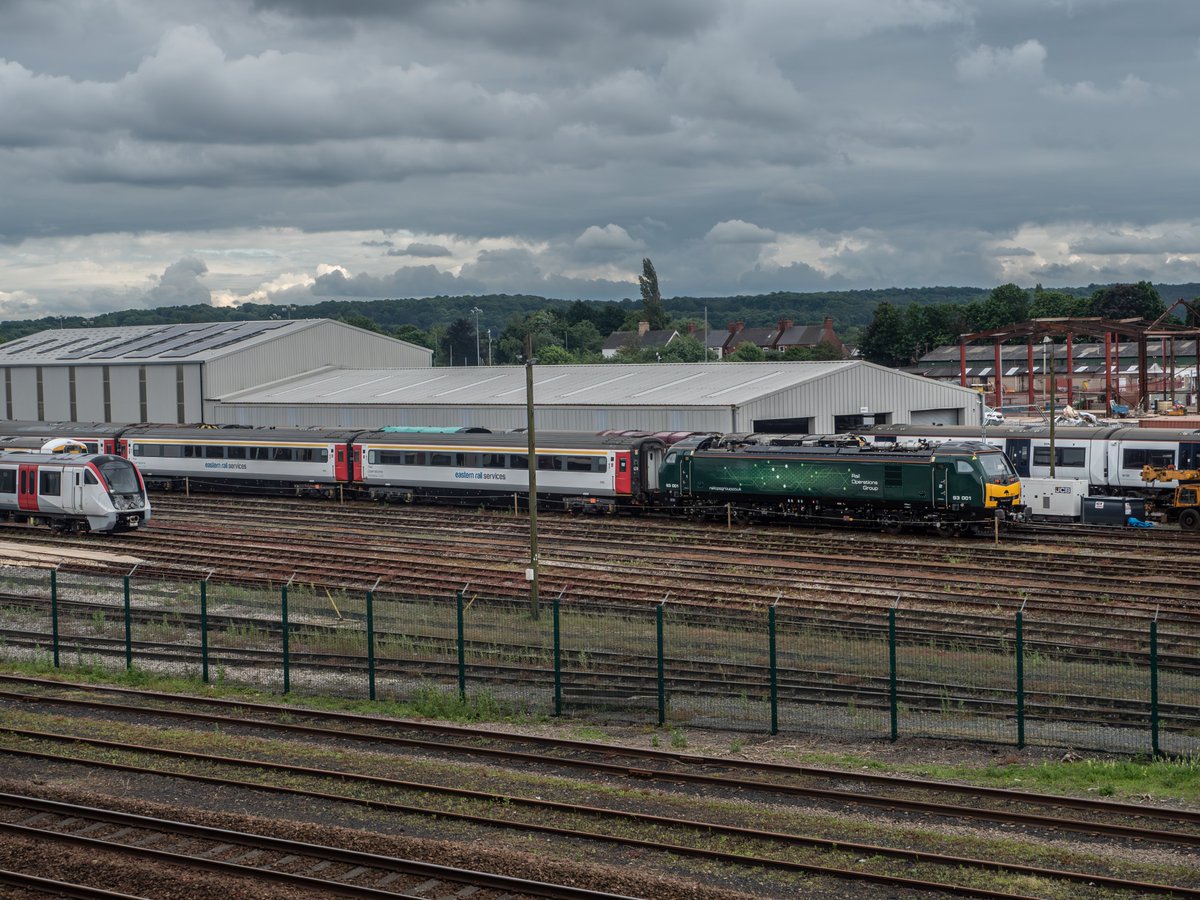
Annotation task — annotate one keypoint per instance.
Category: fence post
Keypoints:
(663, 683)
(892, 703)
(557, 657)
(128, 627)
(462, 649)
(54, 613)
(1154, 686)
(371, 639)
(204, 628)
(1021, 677)
(283, 620)
(774, 669)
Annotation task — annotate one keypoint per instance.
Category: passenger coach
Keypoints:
(582, 472)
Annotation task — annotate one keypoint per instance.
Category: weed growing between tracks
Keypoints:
(838, 824)
(1135, 779)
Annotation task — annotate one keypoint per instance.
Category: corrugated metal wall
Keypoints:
(846, 392)
(322, 344)
(497, 418)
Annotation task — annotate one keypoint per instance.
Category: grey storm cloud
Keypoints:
(740, 144)
(427, 251)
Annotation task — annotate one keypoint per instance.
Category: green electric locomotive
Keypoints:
(951, 487)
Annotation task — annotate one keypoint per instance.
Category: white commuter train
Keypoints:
(73, 491)
(1108, 457)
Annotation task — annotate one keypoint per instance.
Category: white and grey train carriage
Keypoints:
(1108, 457)
(73, 491)
(577, 471)
(312, 460)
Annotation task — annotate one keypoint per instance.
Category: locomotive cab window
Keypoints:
(89, 477)
(962, 467)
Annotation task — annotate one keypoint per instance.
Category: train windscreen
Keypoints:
(121, 476)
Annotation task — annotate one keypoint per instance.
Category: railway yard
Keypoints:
(753, 772)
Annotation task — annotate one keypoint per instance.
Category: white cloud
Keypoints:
(1025, 60)
(610, 237)
(735, 231)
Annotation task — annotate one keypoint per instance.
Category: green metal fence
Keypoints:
(1117, 683)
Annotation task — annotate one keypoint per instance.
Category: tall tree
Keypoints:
(886, 341)
(652, 306)
(1127, 301)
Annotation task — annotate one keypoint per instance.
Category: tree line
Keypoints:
(899, 336)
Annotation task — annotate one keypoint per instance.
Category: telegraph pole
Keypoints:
(531, 574)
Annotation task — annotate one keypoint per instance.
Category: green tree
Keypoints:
(684, 348)
(886, 341)
(413, 335)
(653, 310)
(554, 355)
(1057, 305)
(1006, 304)
(747, 351)
(1127, 301)
(460, 341)
(358, 320)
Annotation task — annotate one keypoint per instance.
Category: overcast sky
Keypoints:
(295, 150)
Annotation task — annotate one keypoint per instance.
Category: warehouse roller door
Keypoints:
(936, 417)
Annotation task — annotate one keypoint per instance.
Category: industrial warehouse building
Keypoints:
(167, 373)
(780, 397)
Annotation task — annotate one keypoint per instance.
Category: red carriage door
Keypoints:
(27, 487)
(340, 469)
(358, 463)
(623, 483)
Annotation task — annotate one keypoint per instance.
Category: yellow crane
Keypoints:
(1186, 502)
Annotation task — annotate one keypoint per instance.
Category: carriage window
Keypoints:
(235, 452)
(622, 464)
(518, 462)
(49, 483)
(282, 454)
(441, 459)
(1136, 457)
(191, 452)
(8, 481)
(313, 454)
(493, 460)
(584, 463)
(1066, 457)
(214, 452)
(259, 452)
(470, 460)
(174, 451)
(550, 463)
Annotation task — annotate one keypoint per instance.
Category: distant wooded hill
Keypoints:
(849, 309)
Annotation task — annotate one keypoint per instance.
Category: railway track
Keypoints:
(432, 550)
(722, 840)
(329, 871)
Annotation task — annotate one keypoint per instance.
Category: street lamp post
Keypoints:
(532, 574)
(475, 311)
(489, 346)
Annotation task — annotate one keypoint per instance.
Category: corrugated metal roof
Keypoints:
(190, 342)
(675, 384)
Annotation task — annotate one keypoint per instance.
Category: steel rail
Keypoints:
(1111, 807)
(948, 810)
(70, 811)
(867, 850)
